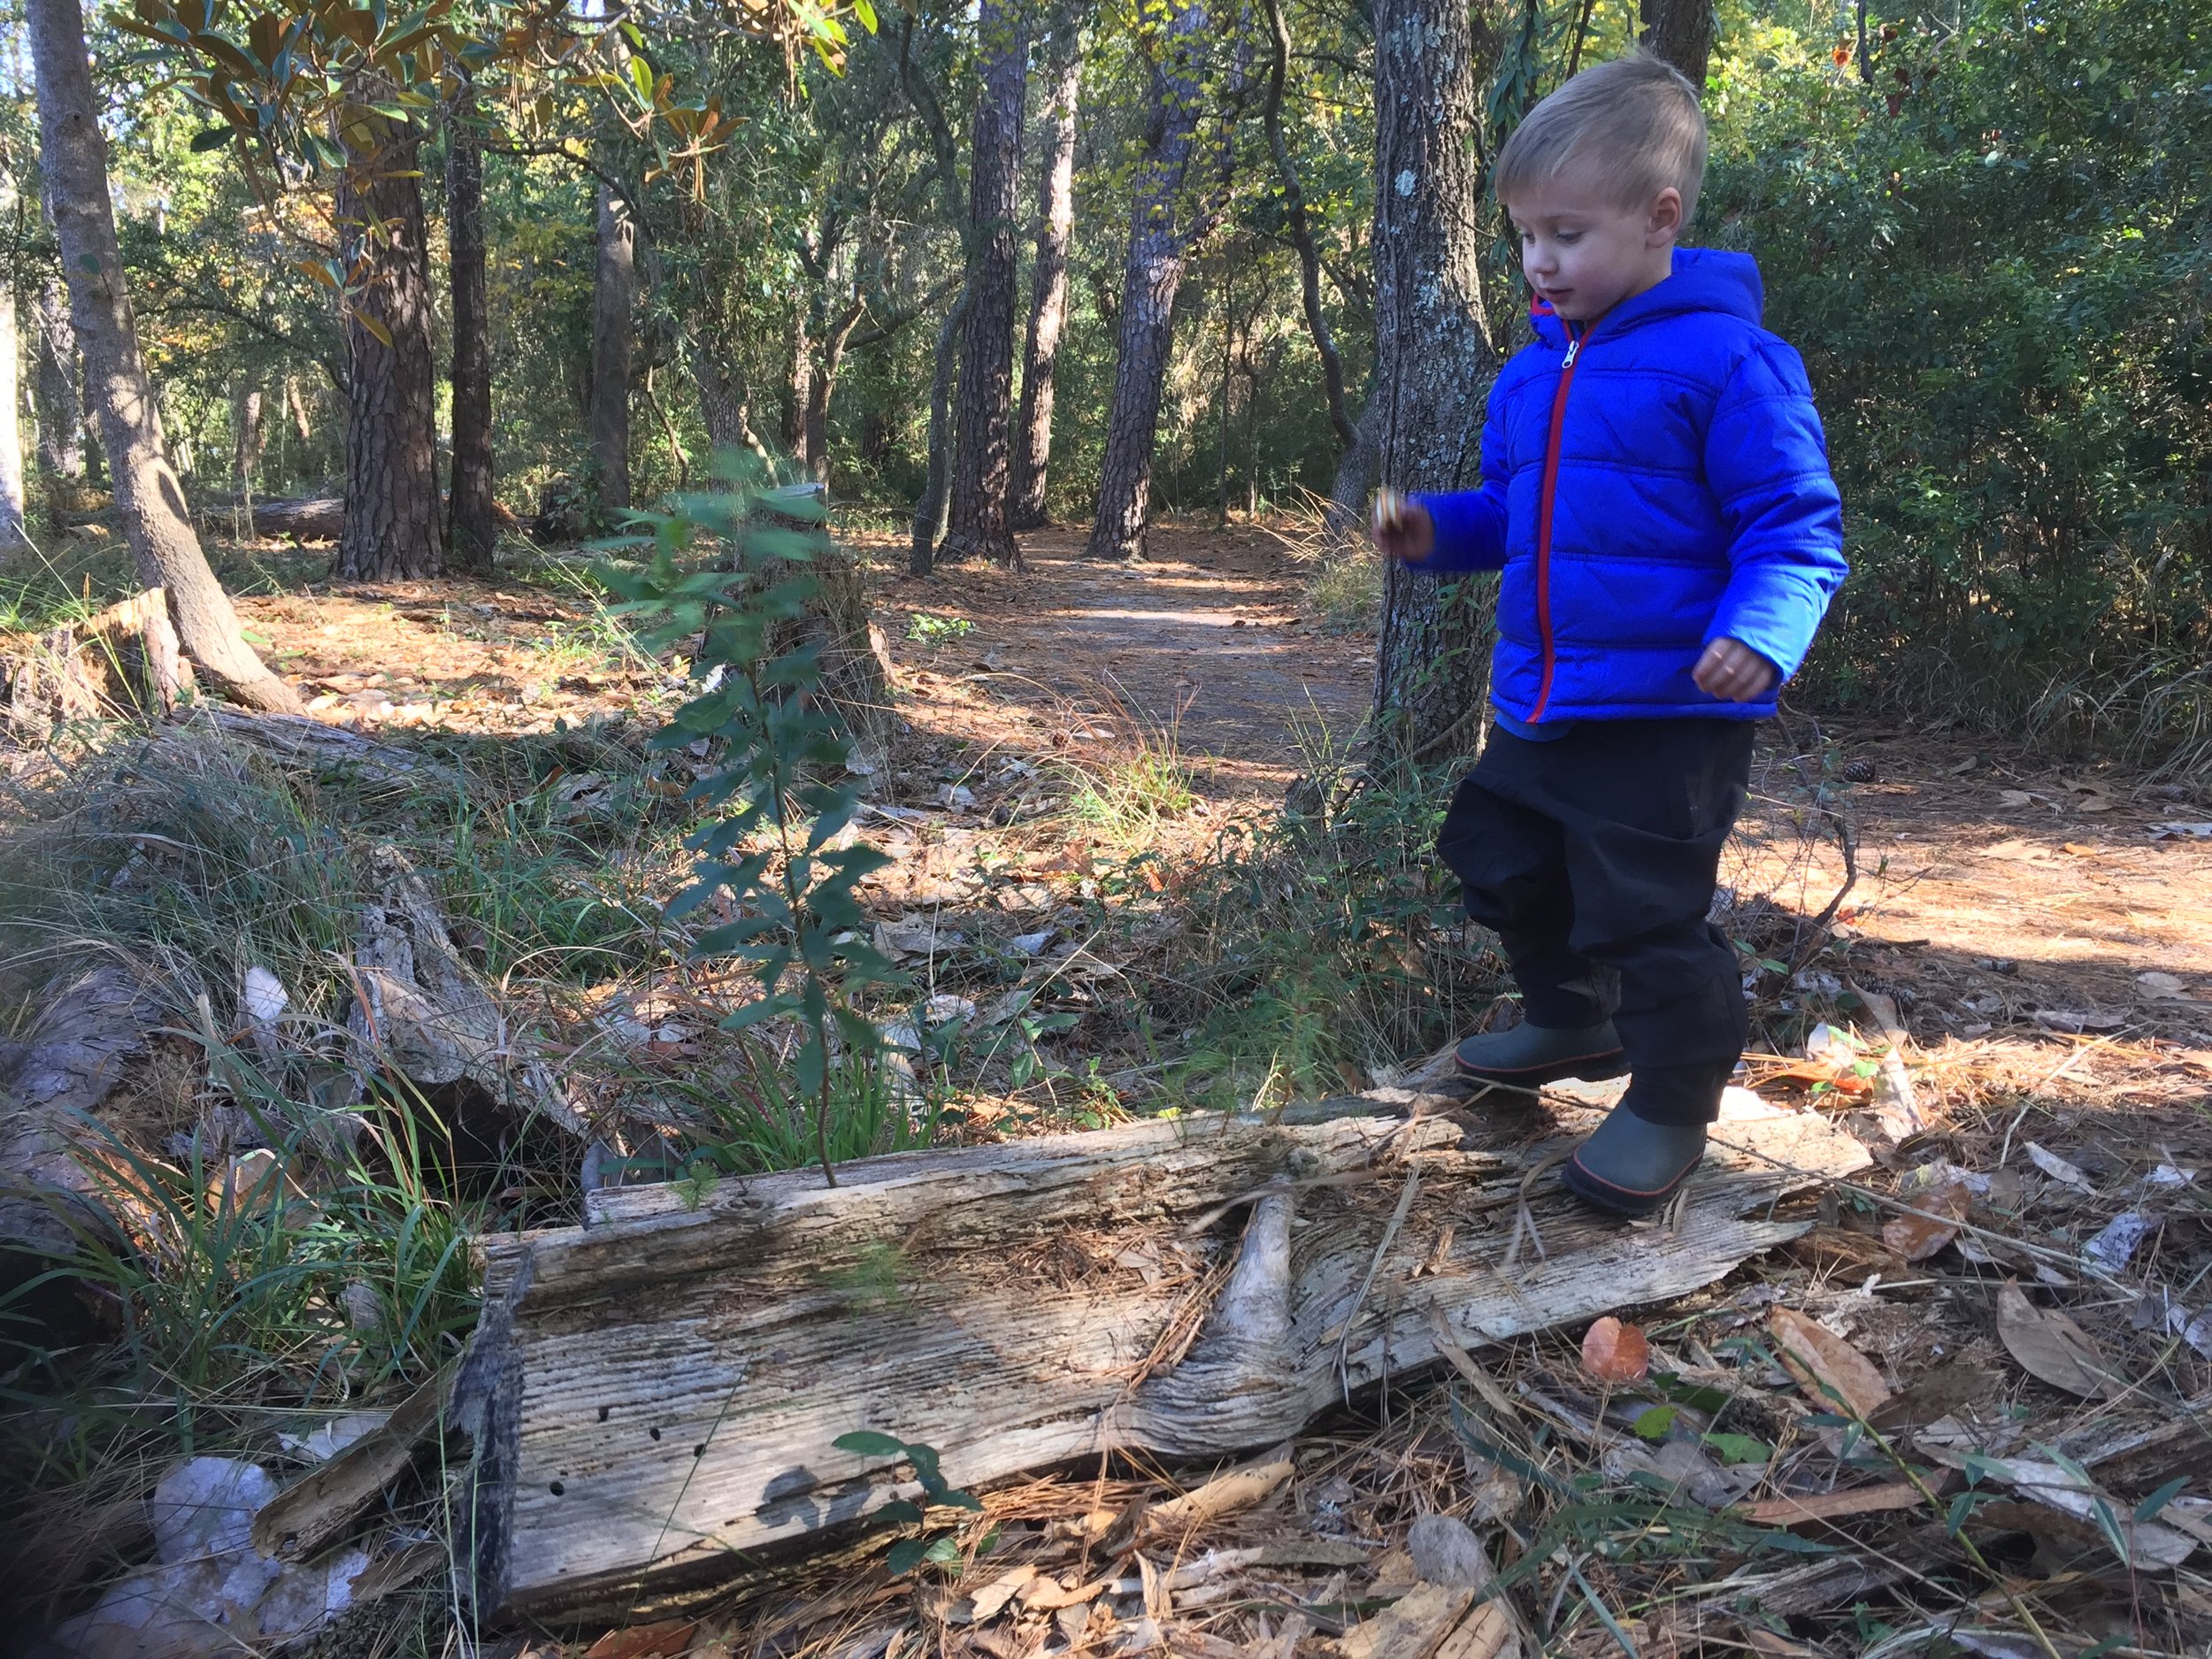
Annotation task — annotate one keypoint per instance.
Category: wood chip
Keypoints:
(1413, 1627)
(1832, 1506)
(1224, 1495)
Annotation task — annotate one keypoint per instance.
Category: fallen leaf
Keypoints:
(1832, 1506)
(1831, 1372)
(1943, 1391)
(1615, 1353)
(1916, 1238)
(2163, 984)
(2148, 1543)
(2058, 1169)
(2181, 831)
(2015, 798)
(662, 1639)
(2049, 1346)
(2068, 1019)
(988, 1602)
(2080, 849)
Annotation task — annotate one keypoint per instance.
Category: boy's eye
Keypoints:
(1569, 237)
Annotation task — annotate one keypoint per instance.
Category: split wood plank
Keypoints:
(655, 1395)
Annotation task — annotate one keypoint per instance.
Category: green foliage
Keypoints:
(773, 850)
(1994, 259)
(924, 629)
(909, 1552)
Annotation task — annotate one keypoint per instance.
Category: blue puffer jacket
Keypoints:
(1649, 484)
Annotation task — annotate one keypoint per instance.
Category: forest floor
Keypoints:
(1084, 809)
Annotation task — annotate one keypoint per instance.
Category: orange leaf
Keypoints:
(1916, 1238)
(1615, 1353)
(1834, 1375)
(663, 1640)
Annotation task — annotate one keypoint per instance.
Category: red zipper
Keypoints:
(1549, 489)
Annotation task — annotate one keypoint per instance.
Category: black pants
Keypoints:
(1593, 856)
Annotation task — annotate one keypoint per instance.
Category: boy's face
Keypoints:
(1585, 253)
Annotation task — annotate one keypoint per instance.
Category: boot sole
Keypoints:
(1586, 1068)
(1601, 1194)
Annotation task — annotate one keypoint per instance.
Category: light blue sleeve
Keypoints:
(1766, 460)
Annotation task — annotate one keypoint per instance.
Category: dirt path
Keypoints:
(1203, 644)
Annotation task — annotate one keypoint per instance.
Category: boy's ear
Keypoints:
(1664, 223)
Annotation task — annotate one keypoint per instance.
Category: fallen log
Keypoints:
(317, 517)
(654, 1396)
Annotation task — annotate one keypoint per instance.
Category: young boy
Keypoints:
(1655, 490)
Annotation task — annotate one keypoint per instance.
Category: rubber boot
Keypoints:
(1650, 1143)
(1529, 1056)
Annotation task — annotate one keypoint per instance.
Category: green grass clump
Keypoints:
(1345, 591)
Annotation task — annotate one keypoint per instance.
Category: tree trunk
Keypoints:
(614, 296)
(470, 532)
(986, 334)
(1681, 31)
(821, 380)
(1432, 366)
(1159, 246)
(11, 430)
(61, 407)
(930, 511)
(654, 1400)
(722, 406)
(392, 528)
(1300, 226)
(154, 520)
(1048, 285)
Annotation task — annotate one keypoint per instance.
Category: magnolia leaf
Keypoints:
(1829, 1370)
(868, 1443)
(2048, 1346)
(210, 138)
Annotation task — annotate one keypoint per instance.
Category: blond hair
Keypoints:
(1633, 123)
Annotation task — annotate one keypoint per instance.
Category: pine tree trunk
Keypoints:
(60, 407)
(10, 432)
(472, 532)
(167, 551)
(614, 295)
(1048, 285)
(392, 529)
(986, 336)
(1432, 366)
(1159, 246)
(1681, 31)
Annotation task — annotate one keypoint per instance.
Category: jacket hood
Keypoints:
(1704, 279)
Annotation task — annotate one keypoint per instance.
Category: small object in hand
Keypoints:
(1390, 512)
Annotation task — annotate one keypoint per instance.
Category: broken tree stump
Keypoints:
(654, 1396)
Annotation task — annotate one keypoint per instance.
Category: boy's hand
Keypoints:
(1733, 671)
(1402, 526)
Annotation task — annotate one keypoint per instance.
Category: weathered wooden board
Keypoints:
(655, 1395)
